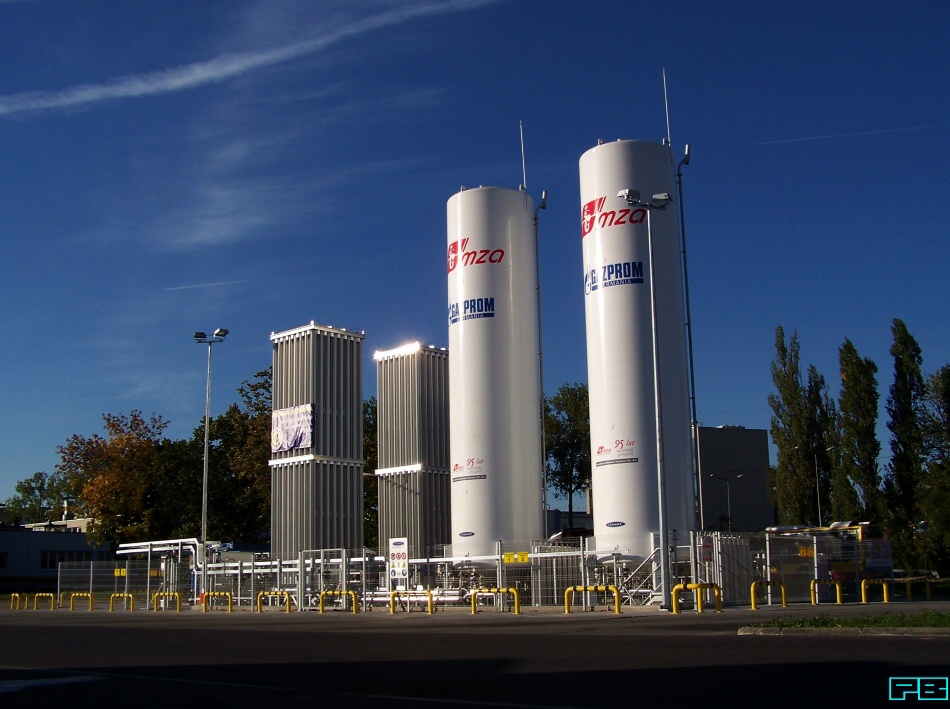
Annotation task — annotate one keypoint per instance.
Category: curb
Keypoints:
(845, 632)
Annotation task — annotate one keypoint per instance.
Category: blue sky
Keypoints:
(174, 166)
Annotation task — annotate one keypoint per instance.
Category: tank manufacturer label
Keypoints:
(460, 253)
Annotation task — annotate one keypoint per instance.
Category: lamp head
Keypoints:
(661, 200)
(221, 332)
(200, 336)
(631, 196)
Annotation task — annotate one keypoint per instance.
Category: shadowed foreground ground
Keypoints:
(452, 659)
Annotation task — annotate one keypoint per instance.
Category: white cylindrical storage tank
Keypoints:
(620, 350)
(494, 391)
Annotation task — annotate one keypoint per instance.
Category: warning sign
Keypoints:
(398, 560)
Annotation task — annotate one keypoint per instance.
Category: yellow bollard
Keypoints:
(74, 596)
(50, 596)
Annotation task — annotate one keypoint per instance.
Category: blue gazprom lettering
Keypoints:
(475, 308)
(622, 273)
(453, 313)
(590, 280)
(479, 305)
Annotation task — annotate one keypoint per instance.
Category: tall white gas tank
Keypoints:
(494, 391)
(620, 357)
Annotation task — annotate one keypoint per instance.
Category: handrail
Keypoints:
(262, 594)
(221, 594)
(74, 596)
(813, 588)
(121, 595)
(512, 591)
(867, 582)
(430, 607)
(16, 597)
(698, 588)
(62, 598)
(50, 596)
(769, 583)
(167, 594)
(603, 589)
(908, 582)
(351, 594)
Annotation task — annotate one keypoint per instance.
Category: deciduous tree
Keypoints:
(860, 449)
(905, 473)
(567, 443)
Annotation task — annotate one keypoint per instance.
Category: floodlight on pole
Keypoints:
(202, 339)
(659, 201)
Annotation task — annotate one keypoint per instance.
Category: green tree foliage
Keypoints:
(567, 443)
(935, 502)
(37, 499)
(239, 471)
(811, 482)
(370, 484)
(905, 473)
(792, 478)
(860, 448)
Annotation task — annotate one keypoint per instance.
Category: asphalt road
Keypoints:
(643, 658)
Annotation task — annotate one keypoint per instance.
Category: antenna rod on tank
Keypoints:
(666, 101)
(524, 172)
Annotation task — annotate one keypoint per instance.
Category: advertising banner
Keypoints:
(292, 428)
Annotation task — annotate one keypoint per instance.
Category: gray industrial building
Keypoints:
(733, 479)
(317, 440)
(412, 420)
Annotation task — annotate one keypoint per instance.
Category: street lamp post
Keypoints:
(728, 482)
(203, 339)
(659, 201)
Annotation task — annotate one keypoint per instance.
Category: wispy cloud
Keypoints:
(204, 285)
(844, 135)
(222, 67)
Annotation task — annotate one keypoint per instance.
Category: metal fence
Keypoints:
(541, 572)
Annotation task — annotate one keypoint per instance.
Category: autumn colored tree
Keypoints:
(109, 476)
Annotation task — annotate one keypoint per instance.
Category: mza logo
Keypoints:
(920, 688)
(593, 214)
(472, 257)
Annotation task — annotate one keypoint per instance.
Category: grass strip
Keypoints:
(921, 619)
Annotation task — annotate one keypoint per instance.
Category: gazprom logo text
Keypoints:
(471, 309)
(623, 273)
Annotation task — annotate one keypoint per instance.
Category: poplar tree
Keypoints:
(791, 477)
(936, 502)
(905, 473)
(860, 449)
